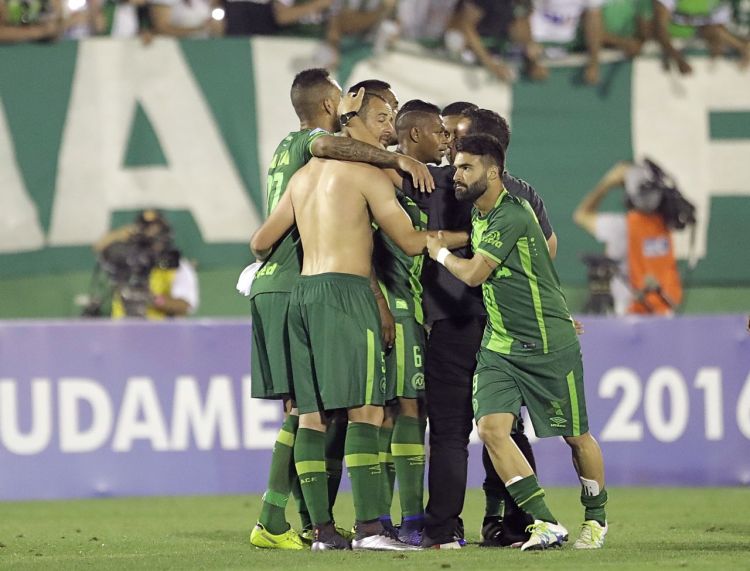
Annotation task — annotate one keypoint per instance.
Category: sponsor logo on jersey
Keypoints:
(493, 238)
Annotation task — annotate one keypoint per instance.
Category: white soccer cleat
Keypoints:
(545, 535)
(592, 535)
(382, 542)
(450, 545)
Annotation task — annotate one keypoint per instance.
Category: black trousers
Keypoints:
(449, 369)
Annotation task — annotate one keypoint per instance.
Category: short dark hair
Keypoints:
(368, 99)
(483, 145)
(308, 88)
(419, 105)
(457, 107)
(370, 85)
(414, 111)
(490, 123)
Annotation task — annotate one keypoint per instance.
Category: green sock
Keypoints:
(530, 498)
(408, 456)
(363, 466)
(494, 504)
(309, 459)
(595, 507)
(335, 439)
(388, 469)
(304, 515)
(280, 476)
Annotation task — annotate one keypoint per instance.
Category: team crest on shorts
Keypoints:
(417, 382)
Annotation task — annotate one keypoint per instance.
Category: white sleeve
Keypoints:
(185, 285)
(610, 228)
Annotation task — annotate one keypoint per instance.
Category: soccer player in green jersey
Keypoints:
(316, 98)
(530, 352)
(422, 136)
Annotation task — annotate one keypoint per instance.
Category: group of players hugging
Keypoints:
(389, 293)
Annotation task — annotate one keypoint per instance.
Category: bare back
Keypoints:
(332, 216)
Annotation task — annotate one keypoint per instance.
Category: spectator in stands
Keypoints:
(628, 24)
(561, 23)
(484, 27)
(425, 20)
(176, 18)
(707, 19)
(83, 18)
(371, 18)
(268, 17)
(181, 18)
(23, 21)
(639, 241)
(150, 277)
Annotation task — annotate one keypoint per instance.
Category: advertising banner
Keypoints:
(96, 409)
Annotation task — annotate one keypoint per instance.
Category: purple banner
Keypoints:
(95, 408)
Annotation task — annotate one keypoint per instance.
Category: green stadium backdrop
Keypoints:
(92, 131)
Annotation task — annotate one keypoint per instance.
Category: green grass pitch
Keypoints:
(666, 528)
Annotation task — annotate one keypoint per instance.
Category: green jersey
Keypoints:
(292, 154)
(399, 274)
(282, 268)
(526, 309)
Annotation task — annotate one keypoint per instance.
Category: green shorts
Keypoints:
(550, 386)
(404, 368)
(334, 334)
(270, 359)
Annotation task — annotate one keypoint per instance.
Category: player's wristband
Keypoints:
(442, 254)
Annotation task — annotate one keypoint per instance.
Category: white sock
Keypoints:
(513, 480)
(590, 487)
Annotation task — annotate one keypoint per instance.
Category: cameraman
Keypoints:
(150, 277)
(647, 281)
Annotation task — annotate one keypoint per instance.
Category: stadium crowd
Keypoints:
(507, 37)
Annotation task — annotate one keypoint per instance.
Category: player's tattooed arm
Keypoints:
(348, 149)
(274, 228)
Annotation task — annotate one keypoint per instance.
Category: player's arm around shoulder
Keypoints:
(274, 228)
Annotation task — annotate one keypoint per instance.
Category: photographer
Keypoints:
(646, 280)
(149, 277)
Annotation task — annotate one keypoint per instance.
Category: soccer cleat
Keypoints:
(497, 532)
(307, 536)
(592, 535)
(261, 538)
(410, 537)
(382, 542)
(328, 538)
(545, 535)
(410, 530)
(450, 545)
(347, 534)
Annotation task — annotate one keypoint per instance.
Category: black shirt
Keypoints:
(248, 18)
(445, 295)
